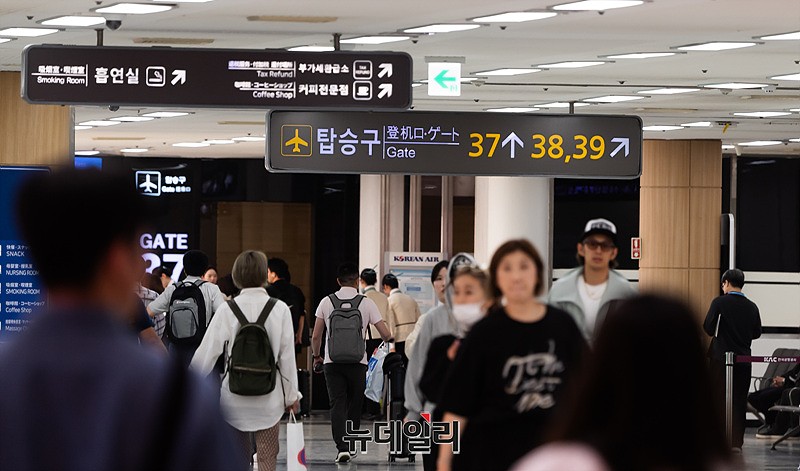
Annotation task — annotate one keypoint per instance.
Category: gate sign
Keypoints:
(232, 78)
(455, 143)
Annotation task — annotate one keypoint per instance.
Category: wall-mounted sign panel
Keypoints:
(455, 143)
(21, 291)
(231, 78)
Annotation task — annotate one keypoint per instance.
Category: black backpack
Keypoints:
(186, 316)
(346, 336)
(252, 369)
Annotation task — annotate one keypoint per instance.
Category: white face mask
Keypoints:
(467, 314)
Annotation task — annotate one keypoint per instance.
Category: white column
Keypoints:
(512, 208)
(380, 219)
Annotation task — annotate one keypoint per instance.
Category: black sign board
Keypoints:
(455, 143)
(232, 78)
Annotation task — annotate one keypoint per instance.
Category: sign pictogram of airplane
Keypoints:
(147, 185)
(296, 141)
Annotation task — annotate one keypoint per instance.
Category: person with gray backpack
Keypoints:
(189, 306)
(345, 315)
(254, 333)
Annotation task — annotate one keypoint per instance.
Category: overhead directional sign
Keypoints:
(444, 79)
(231, 78)
(455, 143)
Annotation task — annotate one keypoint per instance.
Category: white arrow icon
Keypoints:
(513, 139)
(623, 142)
(386, 70)
(385, 90)
(178, 76)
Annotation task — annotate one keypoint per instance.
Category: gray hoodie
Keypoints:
(564, 295)
(433, 324)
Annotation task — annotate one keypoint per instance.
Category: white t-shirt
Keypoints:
(369, 315)
(591, 295)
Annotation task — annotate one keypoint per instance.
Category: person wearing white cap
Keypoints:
(590, 290)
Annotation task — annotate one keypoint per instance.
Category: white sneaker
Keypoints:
(342, 457)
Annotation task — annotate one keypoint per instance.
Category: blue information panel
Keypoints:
(20, 289)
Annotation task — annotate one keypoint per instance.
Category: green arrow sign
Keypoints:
(442, 79)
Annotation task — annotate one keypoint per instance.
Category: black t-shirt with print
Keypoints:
(507, 379)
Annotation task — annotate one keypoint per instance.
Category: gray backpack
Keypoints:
(346, 336)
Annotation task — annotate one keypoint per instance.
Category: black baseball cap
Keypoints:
(600, 226)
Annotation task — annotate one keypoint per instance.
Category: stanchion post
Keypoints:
(729, 358)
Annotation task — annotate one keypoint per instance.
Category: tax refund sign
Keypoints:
(455, 143)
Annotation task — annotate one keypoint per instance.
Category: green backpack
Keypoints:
(252, 370)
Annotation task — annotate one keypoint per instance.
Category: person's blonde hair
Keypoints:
(250, 270)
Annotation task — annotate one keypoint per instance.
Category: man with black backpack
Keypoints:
(189, 305)
(345, 315)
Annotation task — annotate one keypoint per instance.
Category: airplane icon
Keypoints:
(148, 186)
(148, 182)
(296, 141)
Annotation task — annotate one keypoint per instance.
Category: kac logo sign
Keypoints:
(148, 182)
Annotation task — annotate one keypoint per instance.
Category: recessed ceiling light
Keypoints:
(220, 142)
(191, 144)
(782, 37)
(415, 85)
(375, 39)
(134, 150)
(570, 64)
(668, 91)
(441, 28)
(77, 21)
(515, 17)
(735, 85)
(99, 123)
(507, 72)
(311, 49)
(87, 152)
(613, 99)
(796, 139)
(697, 124)
(716, 46)
(512, 109)
(133, 119)
(796, 110)
(133, 8)
(787, 77)
(561, 104)
(249, 139)
(165, 114)
(760, 143)
(27, 32)
(5, 40)
(597, 5)
(763, 114)
(661, 128)
(728, 146)
(82, 128)
(641, 55)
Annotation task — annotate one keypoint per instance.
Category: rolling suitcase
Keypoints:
(304, 384)
(394, 391)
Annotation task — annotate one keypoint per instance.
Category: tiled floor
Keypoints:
(320, 453)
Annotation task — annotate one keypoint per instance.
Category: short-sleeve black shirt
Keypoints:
(507, 380)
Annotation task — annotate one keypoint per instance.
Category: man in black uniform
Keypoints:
(281, 287)
(733, 321)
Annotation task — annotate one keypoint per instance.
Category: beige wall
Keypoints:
(32, 134)
(281, 230)
(680, 206)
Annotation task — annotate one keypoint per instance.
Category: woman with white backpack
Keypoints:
(255, 333)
